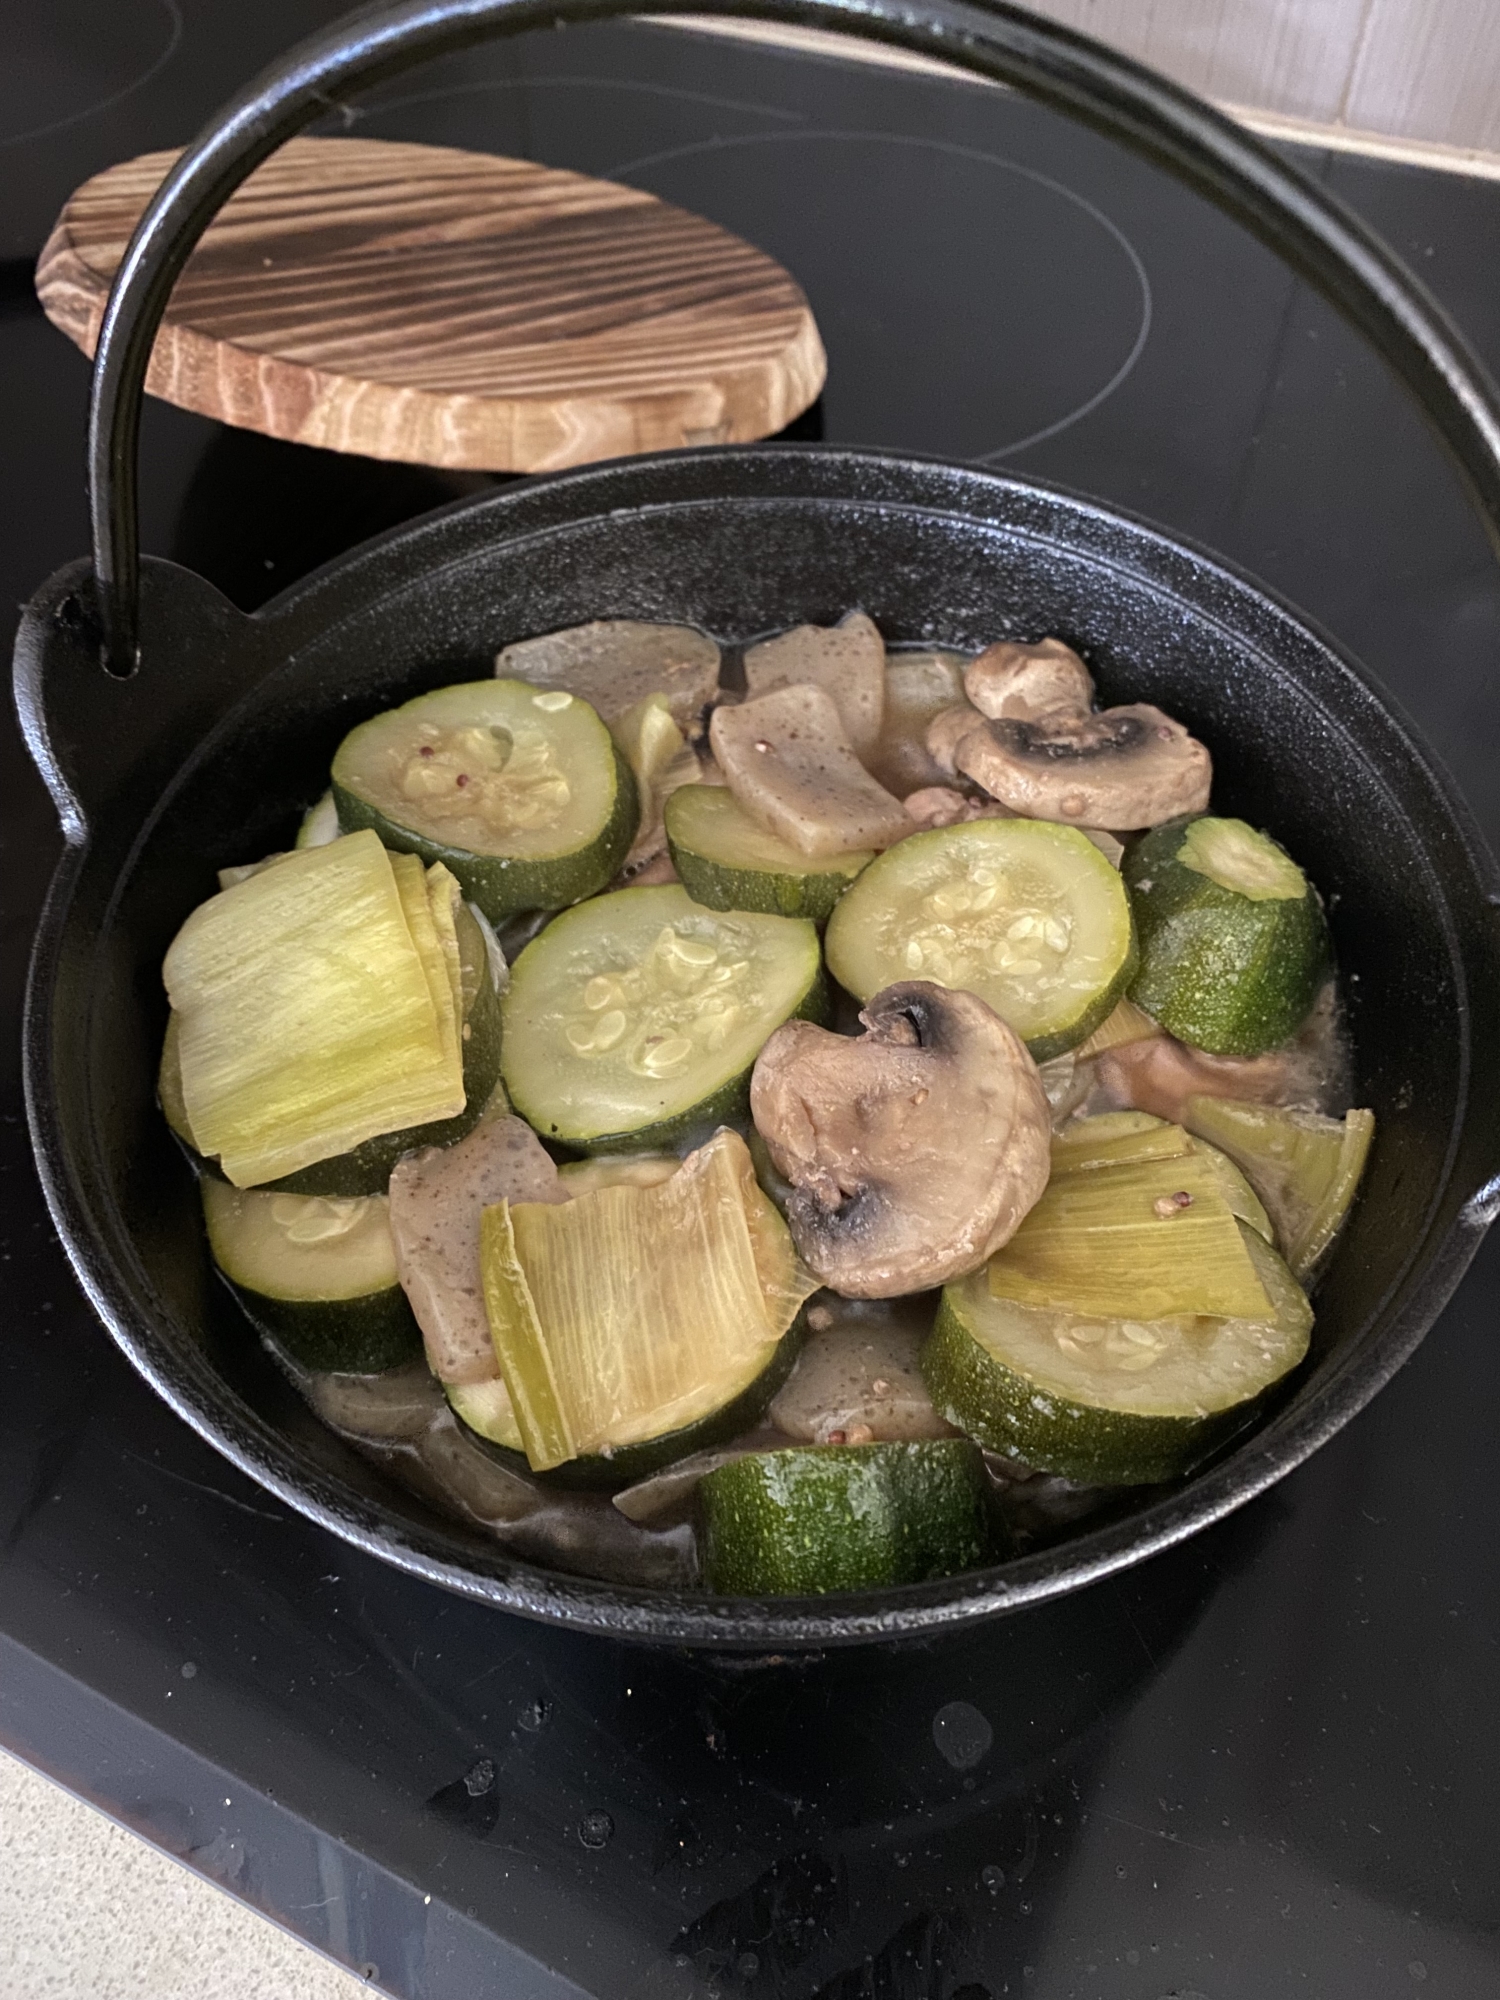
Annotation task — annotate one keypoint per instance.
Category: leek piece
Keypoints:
(634, 1310)
(1121, 1242)
(1115, 1137)
(309, 1019)
(1126, 1024)
(420, 910)
(1304, 1167)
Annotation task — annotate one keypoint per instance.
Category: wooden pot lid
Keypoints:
(452, 308)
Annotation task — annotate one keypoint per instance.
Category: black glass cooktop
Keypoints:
(1264, 1764)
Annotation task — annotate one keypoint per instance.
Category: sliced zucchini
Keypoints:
(317, 1277)
(632, 1022)
(630, 1315)
(728, 861)
(520, 792)
(317, 1004)
(805, 1521)
(366, 1168)
(485, 1409)
(1305, 1168)
(320, 823)
(1028, 915)
(1140, 1239)
(1110, 1401)
(487, 1414)
(1233, 944)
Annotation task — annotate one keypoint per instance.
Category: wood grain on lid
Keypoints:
(451, 308)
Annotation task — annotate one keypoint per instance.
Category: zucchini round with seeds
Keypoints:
(1233, 943)
(728, 861)
(633, 1021)
(520, 791)
(316, 1276)
(366, 1168)
(1027, 914)
(1109, 1402)
(486, 1413)
(806, 1521)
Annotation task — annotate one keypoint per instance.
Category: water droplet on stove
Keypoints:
(189, 1670)
(993, 1878)
(479, 1778)
(535, 1714)
(962, 1734)
(595, 1828)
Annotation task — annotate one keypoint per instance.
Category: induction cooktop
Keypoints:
(1263, 1764)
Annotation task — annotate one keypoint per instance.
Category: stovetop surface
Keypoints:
(1265, 1763)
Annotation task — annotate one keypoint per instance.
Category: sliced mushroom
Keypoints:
(915, 1150)
(846, 660)
(437, 1198)
(948, 729)
(919, 683)
(1159, 1075)
(943, 805)
(1122, 769)
(790, 764)
(1024, 682)
(613, 663)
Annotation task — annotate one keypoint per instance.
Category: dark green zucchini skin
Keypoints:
(503, 885)
(728, 1105)
(810, 1519)
(1219, 971)
(603, 1473)
(367, 1168)
(363, 1336)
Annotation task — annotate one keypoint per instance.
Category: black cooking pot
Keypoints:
(177, 735)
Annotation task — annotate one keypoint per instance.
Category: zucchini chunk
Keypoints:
(520, 792)
(1028, 915)
(728, 861)
(1305, 1168)
(1233, 943)
(633, 1021)
(366, 1168)
(1109, 1400)
(318, 1007)
(631, 1315)
(315, 1276)
(801, 1522)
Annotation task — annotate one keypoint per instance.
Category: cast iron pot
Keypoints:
(178, 735)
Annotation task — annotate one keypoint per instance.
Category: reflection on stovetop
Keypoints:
(1263, 1764)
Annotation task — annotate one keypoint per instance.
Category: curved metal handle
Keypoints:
(1311, 230)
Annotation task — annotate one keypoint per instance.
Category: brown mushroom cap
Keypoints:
(1122, 769)
(914, 1150)
(1023, 682)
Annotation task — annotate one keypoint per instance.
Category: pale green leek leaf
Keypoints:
(307, 1018)
(635, 1310)
(1149, 1239)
